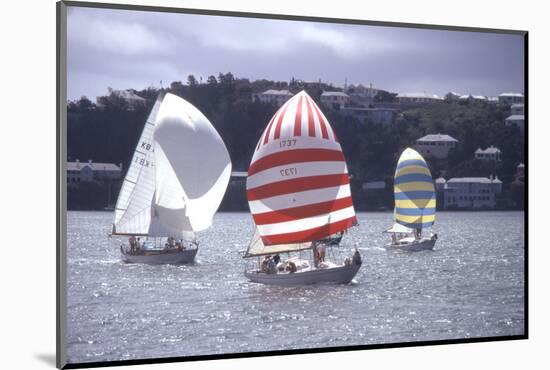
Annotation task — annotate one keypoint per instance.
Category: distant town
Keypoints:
(366, 119)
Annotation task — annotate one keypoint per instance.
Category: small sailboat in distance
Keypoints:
(415, 204)
(299, 196)
(176, 181)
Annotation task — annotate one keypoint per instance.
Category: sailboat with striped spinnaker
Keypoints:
(415, 204)
(299, 196)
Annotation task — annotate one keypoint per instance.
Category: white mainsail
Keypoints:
(258, 248)
(191, 170)
(133, 207)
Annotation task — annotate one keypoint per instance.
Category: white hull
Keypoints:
(414, 246)
(160, 257)
(334, 275)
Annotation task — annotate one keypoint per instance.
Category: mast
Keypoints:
(414, 192)
(298, 185)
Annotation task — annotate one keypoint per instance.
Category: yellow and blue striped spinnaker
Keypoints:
(414, 191)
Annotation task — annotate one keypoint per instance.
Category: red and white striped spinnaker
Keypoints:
(298, 184)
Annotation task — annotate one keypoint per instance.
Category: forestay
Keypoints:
(298, 185)
(414, 191)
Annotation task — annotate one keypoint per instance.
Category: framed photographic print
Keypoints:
(236, 184)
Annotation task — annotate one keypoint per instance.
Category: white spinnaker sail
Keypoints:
(133, 207)
(192, 168)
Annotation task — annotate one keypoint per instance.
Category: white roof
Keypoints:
(419, 95)
(334, 93)
(94, 166)
(489, 150)
(128, 95)
(477, 180)
(480, 97)
(511, 94)
(437, 137)
(277, 92)
(515, 117)
(464, 97)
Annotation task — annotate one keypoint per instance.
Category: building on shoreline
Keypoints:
(469, 192)
(87, 172)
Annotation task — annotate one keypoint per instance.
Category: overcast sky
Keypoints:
(132, 49)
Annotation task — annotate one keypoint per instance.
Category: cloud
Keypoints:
(116, 36)
(123, 49)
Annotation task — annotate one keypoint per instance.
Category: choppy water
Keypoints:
(471, 286)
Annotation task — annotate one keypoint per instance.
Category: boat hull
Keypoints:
(333, 275)
(160, 257)
(427, 244)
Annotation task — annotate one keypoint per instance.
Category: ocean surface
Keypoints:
(471, 285)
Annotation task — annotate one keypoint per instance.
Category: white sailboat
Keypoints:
(299, 196)
(174, 185)
(415, 204)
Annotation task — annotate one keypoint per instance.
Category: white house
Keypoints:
(452, 96)
(471, 192)
(480, 98)
(334, 99)
(440, 184)
(278, 97)
(492, 100)
(79, 172)
(510, 98)
(517, 109)
(421, 97)
(437, 146)
(516, 120)
(490, 154)
(134, 101)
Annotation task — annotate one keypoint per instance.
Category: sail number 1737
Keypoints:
(287, 143)
(291, 171)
